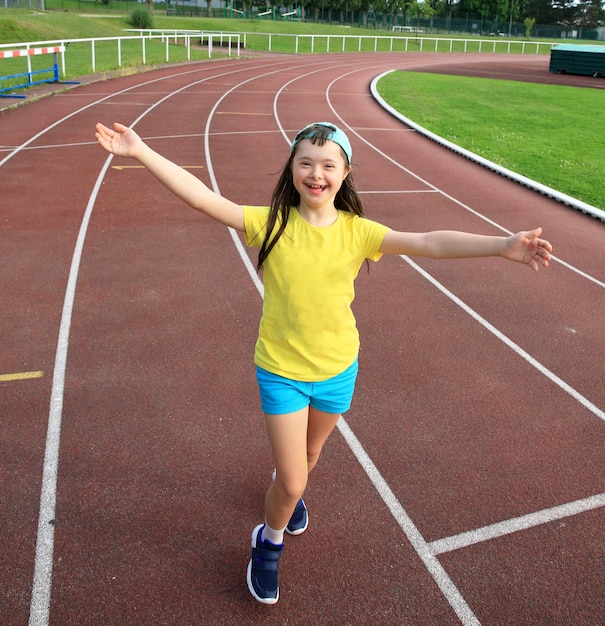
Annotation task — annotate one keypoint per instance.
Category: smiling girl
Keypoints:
(312, 241)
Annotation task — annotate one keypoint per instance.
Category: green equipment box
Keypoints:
(578, 59)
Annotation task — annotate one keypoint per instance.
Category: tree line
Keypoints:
(577, 14)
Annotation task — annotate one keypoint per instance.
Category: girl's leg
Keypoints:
(288, 438)
(296, 440)
(320, 426)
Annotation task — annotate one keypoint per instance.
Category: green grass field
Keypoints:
(549, 133)
(545, 132)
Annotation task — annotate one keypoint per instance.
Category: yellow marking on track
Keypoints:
(142, 167)
(20, 376)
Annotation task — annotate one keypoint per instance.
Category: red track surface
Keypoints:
(163, 460)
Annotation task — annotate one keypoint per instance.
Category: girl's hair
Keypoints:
(285, 196)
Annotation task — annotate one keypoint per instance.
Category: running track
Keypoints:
(467, 484)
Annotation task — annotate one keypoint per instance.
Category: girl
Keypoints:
(313, 240)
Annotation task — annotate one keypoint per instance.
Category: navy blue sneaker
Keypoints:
(262, 568)
(300, 519)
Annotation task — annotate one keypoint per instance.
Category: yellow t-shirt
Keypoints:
(307, 330)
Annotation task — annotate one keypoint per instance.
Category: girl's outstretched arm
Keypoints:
(123, 141)
(524, 247)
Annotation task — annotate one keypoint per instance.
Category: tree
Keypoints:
(489, 9)
(541, 10)
(579, 13)
(591, 14)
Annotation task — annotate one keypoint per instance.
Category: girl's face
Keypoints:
(318, 172)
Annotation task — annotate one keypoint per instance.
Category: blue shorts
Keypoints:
(281, 395)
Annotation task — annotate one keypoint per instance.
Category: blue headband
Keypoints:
(337, 136)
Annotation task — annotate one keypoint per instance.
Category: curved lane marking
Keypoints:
(43, 562)
(40, 604)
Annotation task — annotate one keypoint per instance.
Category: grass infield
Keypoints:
(549, 133)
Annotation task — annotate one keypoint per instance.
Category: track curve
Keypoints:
(470, 468)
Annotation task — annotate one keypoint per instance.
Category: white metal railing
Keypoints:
(233, 42)
(402, 43)
(211, 37)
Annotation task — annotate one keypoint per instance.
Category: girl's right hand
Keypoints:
(121, 141)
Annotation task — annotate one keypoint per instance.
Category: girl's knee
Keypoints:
(291, 488)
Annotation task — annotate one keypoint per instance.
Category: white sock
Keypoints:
(276, 537)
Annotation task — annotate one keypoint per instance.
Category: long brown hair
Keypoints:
(285, 196)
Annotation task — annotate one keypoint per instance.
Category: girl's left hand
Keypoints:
(527, 247)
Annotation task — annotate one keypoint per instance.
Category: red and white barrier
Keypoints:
(8, 84)
(28, 52)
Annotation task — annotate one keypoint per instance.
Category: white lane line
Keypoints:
(523, 522)
(43, 560)
(147, 138)
(43, 567)
(438, 573)
(511, 344)
(46, 539)
(425, 551)
(446, 195)
(576, 395)
(84, 108)
(396, 192)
